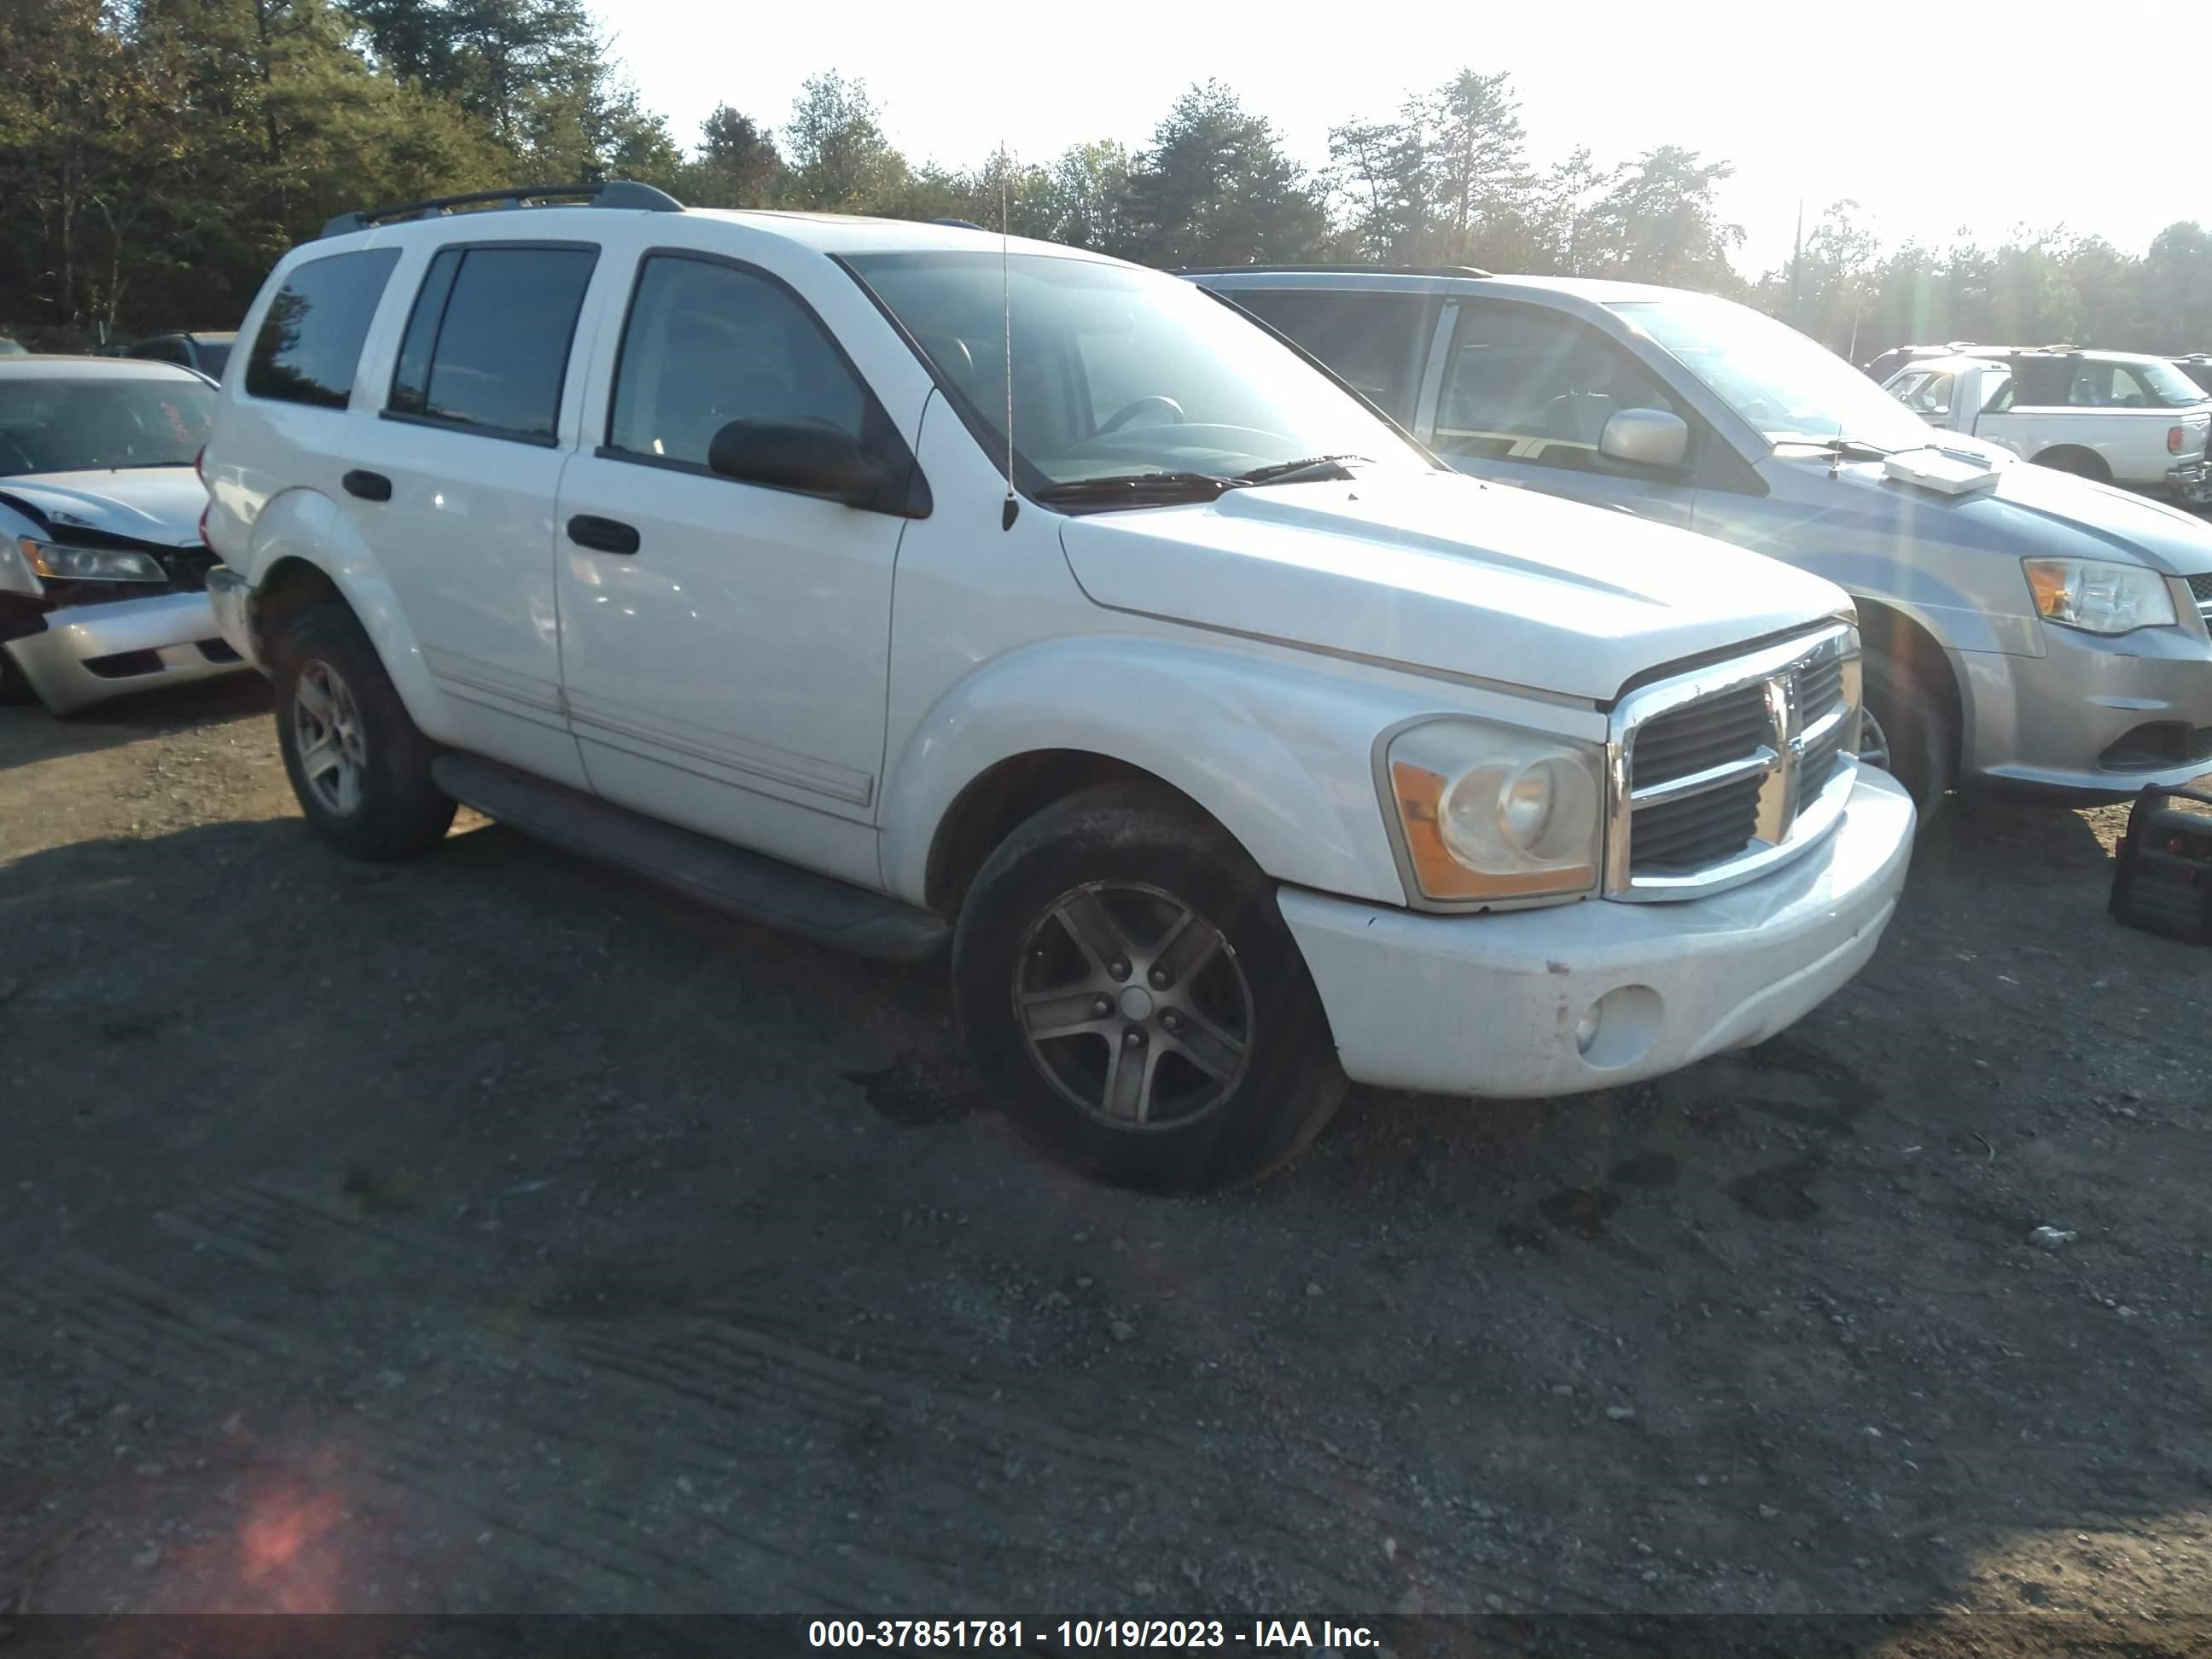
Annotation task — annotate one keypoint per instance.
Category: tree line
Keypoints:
(159, 154)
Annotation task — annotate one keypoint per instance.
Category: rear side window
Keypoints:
(1376, 342)
(310, 341)
(487, 346)
(708, 343)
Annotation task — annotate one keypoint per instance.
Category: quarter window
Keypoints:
(1525, 385)
(311, 337)
(707, 344)
(487, 347)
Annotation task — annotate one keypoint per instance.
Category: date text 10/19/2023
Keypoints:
(1293, 1634)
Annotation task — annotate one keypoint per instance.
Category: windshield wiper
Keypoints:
(1314, 466)
(1136, 489)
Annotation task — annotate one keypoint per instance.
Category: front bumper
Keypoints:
(2091, 716)
(2190, 483)
(89, 653)
(1491, 1005)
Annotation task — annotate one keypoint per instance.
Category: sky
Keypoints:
(1908, 110)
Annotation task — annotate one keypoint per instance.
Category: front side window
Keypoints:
(1926, 392)
(487, 345)
(1525, 384)
(1376, 342)
(311, 337)
(88, 423)
(1118, 373)
(707, 344)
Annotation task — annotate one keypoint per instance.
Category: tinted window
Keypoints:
(310, 340)
(162, 351)
(2042, 382)
(1531, 386)
(215, 356)
(1378, 341)
(487, 343)
(706, 344)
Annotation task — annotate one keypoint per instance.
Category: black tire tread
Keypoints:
(1296, 1086)
(403, 813)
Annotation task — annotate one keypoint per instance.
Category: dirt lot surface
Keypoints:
(489, 1233)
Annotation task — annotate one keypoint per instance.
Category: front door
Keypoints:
(726, 646)
(1526, 391)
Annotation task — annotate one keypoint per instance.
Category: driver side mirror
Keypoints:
(809, 457)
(1645, 437)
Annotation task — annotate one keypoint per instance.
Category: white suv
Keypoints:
(1231, 745)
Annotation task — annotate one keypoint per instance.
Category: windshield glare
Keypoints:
(1775, 378)
(1118, 371)
(83, 425)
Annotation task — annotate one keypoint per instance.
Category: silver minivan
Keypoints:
(2023, 627)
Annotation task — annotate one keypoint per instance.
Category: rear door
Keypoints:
(454, 481)
(1378, 342)
(1525, 396)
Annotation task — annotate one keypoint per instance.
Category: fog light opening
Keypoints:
(1619, 1029)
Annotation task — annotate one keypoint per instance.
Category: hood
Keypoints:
(160, 505)
(2033, 509)
(1441, 572)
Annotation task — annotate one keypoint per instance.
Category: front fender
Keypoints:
(1278, 752)
(309, 527)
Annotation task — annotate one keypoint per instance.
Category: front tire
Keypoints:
(1909, 732)
(358, 765)
(1124, 975)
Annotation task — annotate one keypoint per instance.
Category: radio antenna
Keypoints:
(1006, 311)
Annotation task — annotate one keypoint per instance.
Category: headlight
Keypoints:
(91, 564)
(1494, 812)
(2098, 597)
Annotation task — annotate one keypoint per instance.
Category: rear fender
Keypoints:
(303, 525)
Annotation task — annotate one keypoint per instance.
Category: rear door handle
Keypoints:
(369, 486)
(602, 535)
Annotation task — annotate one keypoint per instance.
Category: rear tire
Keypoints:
(357, 763)
(1124, 975)
(1910, 732)
(2081, 462)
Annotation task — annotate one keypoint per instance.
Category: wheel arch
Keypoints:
(303, 548)
(1280, 758)
(1887, 633)
(2077, 459)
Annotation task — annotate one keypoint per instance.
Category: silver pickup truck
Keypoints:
(2023, 627)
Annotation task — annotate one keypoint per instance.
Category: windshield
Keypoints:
(1771, 375)
(82, 424)
(1118, 372)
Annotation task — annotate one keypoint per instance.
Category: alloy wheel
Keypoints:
(327, 730)
(1133, 1006)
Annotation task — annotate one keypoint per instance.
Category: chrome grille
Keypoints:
(1720, 773)
(2200, 588)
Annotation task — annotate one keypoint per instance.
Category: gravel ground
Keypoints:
(491, 1233)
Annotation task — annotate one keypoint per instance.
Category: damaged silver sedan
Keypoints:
(103, 575)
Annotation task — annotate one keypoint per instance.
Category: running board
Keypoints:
(744, 884)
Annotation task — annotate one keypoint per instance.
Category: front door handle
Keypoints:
(602, 535)
(369, 486)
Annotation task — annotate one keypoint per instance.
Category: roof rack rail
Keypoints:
(612, 193)
(1346, 270)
